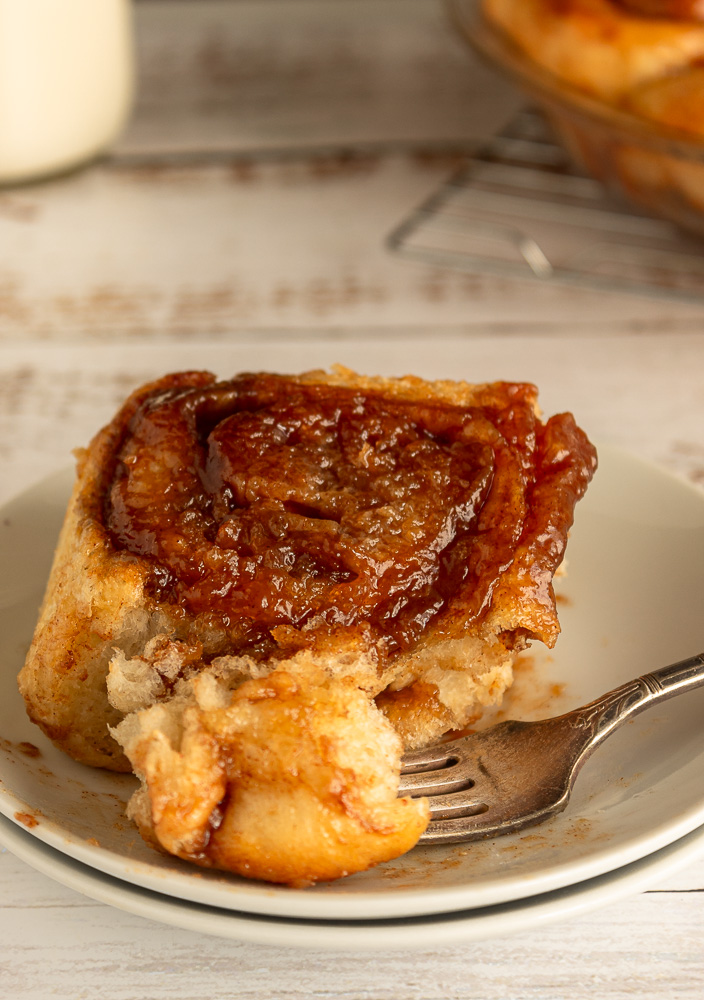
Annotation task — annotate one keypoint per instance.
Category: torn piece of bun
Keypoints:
(290, 778)
(266, 587)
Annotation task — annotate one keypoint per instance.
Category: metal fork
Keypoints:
(520, 773)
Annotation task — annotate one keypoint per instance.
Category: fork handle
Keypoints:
(608, 712)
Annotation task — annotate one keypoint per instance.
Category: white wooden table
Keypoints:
(240, 223)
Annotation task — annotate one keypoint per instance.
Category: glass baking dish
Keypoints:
(657, 169)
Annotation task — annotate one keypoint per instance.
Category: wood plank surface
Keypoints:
(196, 250)
(241, 222)
(66, 946)
(244, 75)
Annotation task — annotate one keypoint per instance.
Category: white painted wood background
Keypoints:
(240, 223)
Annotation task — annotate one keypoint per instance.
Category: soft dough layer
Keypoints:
(265, 588)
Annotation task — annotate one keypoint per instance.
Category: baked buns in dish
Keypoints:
(620, 51)
(265, 588)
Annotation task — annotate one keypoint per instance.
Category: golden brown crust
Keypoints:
(91, 600)
(94, 600)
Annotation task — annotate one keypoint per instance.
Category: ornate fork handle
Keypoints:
(601, 717)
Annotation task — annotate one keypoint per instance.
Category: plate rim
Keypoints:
(402, 934)
(262, 898)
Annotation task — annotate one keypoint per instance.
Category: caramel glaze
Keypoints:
(294, 512)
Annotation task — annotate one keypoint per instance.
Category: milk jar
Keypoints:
(66, 83)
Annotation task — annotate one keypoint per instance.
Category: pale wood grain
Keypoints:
(226, 76)
(219, 248)
(66, 946)
(139, 247)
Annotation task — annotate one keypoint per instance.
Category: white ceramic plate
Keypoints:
(632, 601)
(401, 934)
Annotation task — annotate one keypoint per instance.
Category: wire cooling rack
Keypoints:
(520, 207)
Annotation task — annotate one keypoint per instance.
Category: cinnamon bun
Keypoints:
(266, 587)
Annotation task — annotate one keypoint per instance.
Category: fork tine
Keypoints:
(427, 758)
(483, 823)
(435, 783)
(457, 806)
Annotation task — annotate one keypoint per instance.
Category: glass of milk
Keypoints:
(66, 83)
